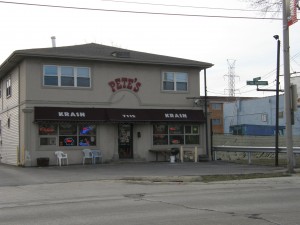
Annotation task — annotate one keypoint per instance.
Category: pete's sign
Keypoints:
(125, 83)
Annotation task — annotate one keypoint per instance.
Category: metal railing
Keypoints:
(250, 149)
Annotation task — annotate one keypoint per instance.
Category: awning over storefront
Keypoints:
(117, 115)
(155, 115)
(69, 114)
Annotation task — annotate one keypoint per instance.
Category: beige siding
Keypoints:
(100, 94)
(150, 95)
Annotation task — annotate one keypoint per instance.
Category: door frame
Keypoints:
(125, 150)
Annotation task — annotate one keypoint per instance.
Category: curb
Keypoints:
(204, 178)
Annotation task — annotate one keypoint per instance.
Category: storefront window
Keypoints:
(47, 129)
(160, 129)
(176, 139)
(67, 129)
(87, 134)
(87, 141)
(175, 134)
(48, 141)
(176, 129)
(160, 139)
(68, 134)
(48, 133)
(192, 139)
(87, 129)
(191, 134)
(67, 141)
(160, 134)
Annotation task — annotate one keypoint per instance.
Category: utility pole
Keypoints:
(277, 99)
(287, 92)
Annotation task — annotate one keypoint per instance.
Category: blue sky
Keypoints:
(209, 35)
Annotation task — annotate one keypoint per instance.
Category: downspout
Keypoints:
(205, 112)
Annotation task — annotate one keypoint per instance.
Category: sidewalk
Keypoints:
(15, 176)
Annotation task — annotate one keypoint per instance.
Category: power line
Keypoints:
(184, 6)
(141, 12)
(266, 76)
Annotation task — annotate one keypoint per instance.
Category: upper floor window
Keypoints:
(216, 121)
(66, 76)
(8, 87)
(175, 81)
(216, 106)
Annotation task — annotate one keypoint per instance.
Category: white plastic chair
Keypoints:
(87, 154)
(97, 154)
(61, 157)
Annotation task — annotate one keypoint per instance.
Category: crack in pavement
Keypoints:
(253, 216)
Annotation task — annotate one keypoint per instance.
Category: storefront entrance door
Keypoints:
(125, 141)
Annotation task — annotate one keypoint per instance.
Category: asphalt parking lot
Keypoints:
(15, 176)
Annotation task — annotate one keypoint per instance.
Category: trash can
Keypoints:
(42, 162)
(174, 152)
(172, 158)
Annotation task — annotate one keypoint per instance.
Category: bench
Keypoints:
(164, 152)
(167, 152)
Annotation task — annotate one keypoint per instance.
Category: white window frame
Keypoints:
(60, 76)
(175, 80)
(264, 117)
(8, 87)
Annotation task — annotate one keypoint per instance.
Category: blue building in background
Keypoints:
(260, 130)
(257, 117)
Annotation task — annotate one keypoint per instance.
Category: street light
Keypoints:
(277, 99)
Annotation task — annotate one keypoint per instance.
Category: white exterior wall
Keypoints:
(9, 145)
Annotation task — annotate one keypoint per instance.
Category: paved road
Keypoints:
(103, 194)
(272, 201)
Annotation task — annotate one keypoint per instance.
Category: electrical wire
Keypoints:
(141, 12)
(185, 6)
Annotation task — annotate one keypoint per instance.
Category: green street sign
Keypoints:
(250, 82)
(257, 82)
(261, 82)
(256, 78)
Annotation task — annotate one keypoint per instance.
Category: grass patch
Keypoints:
(225, 177)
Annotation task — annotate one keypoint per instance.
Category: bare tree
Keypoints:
(266, 6)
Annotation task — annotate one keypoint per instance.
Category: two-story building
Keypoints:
(99, 97)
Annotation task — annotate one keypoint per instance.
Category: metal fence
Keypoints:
(252, 149)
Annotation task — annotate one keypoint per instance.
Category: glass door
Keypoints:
(125, 141)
